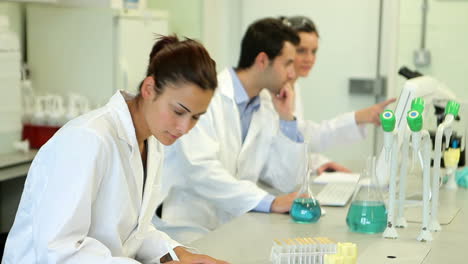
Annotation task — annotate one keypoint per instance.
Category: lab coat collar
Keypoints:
(154, 159)
(233, 88)
(240, 95)
(126, 131)
(226, 86)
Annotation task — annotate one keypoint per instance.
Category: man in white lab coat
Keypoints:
(244, 137)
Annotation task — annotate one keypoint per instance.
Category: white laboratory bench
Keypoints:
(15, 164)
(13, 169)
(248, 239)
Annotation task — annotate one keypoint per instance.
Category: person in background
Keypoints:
(244, 138)
(92, 189)
(343, 129)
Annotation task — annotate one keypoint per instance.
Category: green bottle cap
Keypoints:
(415, 121)
(418, 104)
(452, 108)
(387, 119)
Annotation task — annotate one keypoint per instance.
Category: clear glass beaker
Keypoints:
(305, 208)
(367, 212)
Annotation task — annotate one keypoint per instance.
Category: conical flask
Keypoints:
(305, 208)
(367, 212)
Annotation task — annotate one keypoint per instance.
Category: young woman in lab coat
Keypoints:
(239, 142)
(343, 129)
(92, 190)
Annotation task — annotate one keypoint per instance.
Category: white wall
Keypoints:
(222, 30)
(185, 17)
(446, 39)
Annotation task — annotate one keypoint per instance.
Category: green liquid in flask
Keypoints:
(368, 217)
(305, 210)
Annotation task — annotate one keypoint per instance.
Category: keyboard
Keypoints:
(336, 194)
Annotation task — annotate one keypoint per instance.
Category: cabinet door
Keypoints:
(79, 3)
(70, 50)
(92, 3)
(10, 104)
(35, 1)
(136, 37)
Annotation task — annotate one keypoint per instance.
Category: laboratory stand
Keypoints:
(248, 239)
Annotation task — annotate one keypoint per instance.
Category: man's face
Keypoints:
(281, 69)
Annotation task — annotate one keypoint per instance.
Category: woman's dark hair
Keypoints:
(300, 24)
(172, 61)
(265, 35)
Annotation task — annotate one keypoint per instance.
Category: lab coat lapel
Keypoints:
(248, 151)
(153, 180)
(126, 132)
(230, 110)
(137, 168)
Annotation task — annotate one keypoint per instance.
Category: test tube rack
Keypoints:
(305, 250)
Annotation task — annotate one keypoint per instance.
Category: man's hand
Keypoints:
(372, 114)
(186, 257)
(332, 166)
(284, 102)
(282, 204)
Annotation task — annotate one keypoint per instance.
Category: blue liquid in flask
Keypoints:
(368, 217)
(305, 210)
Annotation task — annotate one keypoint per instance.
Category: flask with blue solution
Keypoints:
(305, 208)
(367, 212)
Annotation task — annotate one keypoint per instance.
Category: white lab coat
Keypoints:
(338, 131)
(215, 175)
(83, 200)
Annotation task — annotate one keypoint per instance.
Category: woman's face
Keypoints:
(305, 53)
(174, 112)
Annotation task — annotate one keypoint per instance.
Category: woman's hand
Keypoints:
(332, 166)
(371, 114)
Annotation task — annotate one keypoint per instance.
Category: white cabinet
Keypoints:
(92, 3)
(89, 51)
(115, 4)
(10, 102)
(79, 3)
(35, 1)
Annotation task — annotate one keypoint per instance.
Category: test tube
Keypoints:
(306, 250)
(277, 252)
(291, 251)
(299, 250)
(320, 250)
(316, 250)
(287, 248)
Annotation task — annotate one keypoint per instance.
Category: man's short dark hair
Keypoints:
(265, 35)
